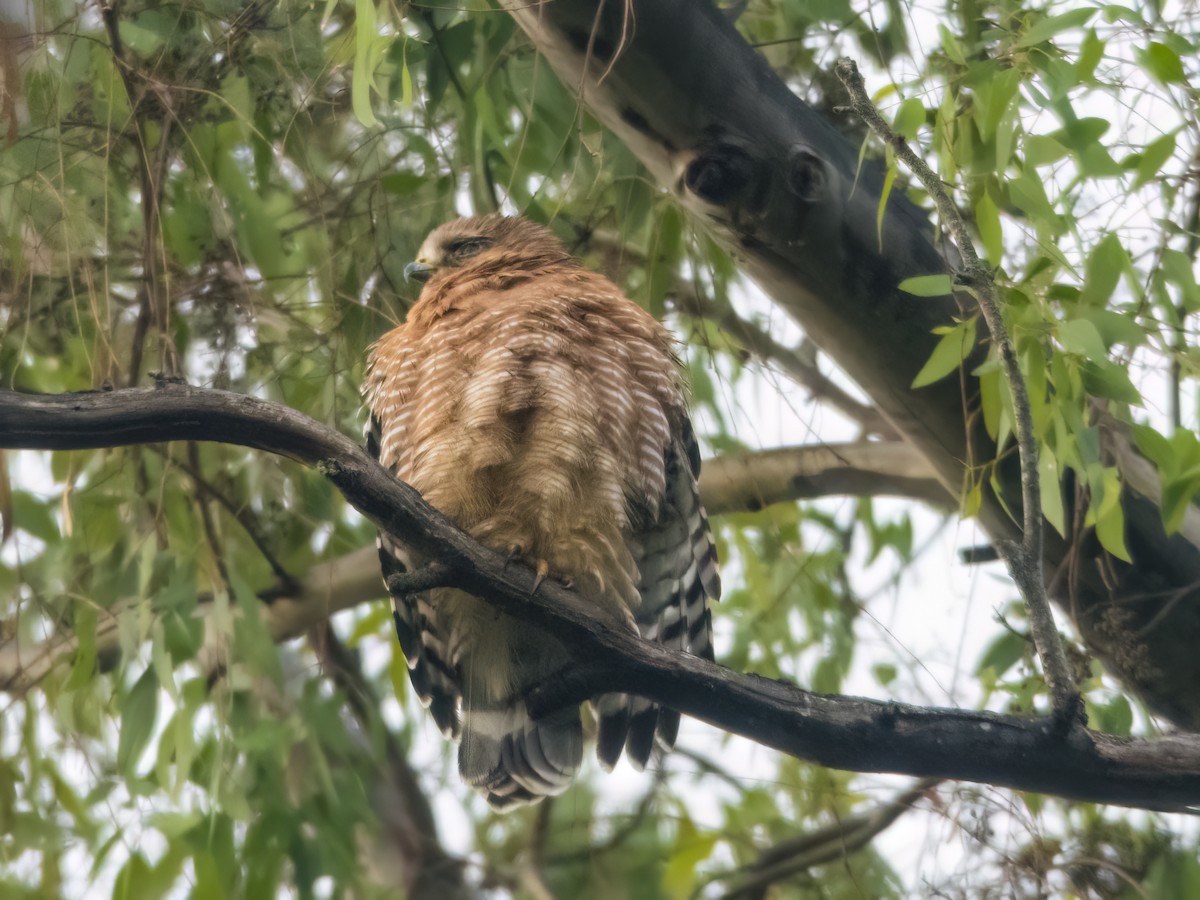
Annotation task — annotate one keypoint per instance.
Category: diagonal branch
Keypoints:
(824, 845)
(1025, 561)
(744, 482)
(756, 341)
(753, 480)
(842, 732)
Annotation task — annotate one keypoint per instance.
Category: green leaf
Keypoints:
(909, 117)
(1154, 157)
(1164, 64)
(34, 516)
(1106, 379)
(138, 714)
(1110, 517)
(987, 220)
(1049, 481)
(889, 179)
(927, 285)
(1041, 150)
(1114, 717)
(1153, 445)
(1003, 653)
(949, 353)
(1114, 327)
(363, 77)
(1082, 337)
(885, 673)
(1091, 51)
(1105, 264)
(1050, 26)
(692, 847)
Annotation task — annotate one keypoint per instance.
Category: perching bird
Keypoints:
(540, 409)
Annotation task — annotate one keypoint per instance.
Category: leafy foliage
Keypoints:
(227, 192)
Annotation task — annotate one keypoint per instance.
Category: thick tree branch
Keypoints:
(841, 732)
(738, 483)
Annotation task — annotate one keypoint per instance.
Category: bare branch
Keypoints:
(824, 845)
(752, 480)
(842, 732)
(1025, 562)
(427, 870)
(757, 342)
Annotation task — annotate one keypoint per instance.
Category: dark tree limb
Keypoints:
(841, 732)
(736, 483)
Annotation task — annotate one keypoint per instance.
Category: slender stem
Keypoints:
(1024, 560)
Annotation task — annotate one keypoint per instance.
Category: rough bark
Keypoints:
(843, 732)
(782, 190)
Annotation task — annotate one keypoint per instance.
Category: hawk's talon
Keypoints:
(542, 569)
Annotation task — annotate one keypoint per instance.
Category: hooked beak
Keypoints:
(418, 271)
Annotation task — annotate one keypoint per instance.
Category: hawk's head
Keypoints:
(485, 240)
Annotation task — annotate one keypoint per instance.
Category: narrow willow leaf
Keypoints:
(1047, 28)
(362, 78)
(1110, 517)
(987, 220)
(949, 353)
(138, 714)
(1154, 157)
(927, 285)
(1049, 481)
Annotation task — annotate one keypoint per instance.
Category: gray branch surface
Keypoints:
(841, 732)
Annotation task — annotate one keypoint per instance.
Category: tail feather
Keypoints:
(434, 681)
(612, 710)
(513, 759)
(677, 565)
(643, 724)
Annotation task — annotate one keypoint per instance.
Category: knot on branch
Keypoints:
(806, 175)
(724, 174)
(974, 278)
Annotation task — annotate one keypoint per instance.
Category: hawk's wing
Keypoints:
(677, 561)
(437, 683)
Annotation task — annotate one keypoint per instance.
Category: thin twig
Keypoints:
(1024, 560)
(410, 823)
(832, 842)
(688, 298)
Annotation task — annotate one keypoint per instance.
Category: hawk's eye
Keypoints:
(465, 247)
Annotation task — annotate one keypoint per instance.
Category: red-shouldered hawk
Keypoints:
(535, 405)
